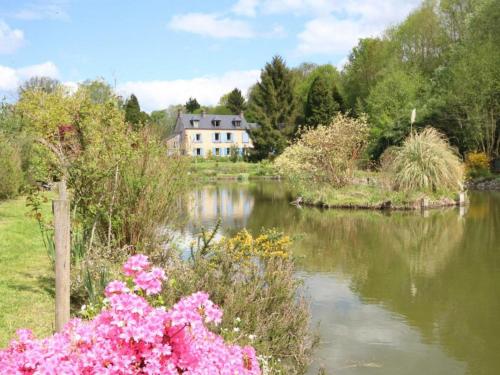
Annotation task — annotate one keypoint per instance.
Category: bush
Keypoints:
(11, 174)
(326, 154)
(477, 164)
(252, 279)
(427, 162)
(132, 335)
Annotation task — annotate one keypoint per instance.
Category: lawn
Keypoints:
(225, 169)
(26, 275)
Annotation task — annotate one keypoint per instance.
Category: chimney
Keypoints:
(202, 113)
(179, 111)
(241, 114)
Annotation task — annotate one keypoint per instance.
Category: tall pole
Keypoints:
(62, 241)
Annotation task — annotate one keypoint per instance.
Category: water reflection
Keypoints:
(397, 293)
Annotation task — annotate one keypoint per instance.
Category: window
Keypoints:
(198, 152)
(229, 137)
(217, 151)
(194, 123)
(245, 137)
(216, 137)
(237, 123)
(228, 151)
(216, 123)
(197, 137)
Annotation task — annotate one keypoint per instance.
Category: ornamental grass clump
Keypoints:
(427, 162)
(131, 336)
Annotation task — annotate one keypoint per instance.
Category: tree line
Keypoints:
(442, 60)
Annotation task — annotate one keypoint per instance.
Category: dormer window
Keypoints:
(216, 123)
(236, 123)
(195, 123)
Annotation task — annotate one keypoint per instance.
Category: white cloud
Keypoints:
(10, 39)
(207, 90)
(211, 25)
(11, 78)
(43, 9)
(340, 30)
(246, 7)
(327, 35)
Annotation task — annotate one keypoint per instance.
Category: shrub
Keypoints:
(477, 164)
(11, 174)
(427, 162)
(131, 336)
(253, 280)
(326, 154)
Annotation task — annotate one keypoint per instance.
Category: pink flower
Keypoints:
(133, 337)
(136, 264)
(116, 287)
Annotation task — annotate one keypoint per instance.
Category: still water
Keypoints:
(393, 293)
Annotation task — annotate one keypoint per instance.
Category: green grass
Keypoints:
(203, 169)
(26, 275)
(370, 196)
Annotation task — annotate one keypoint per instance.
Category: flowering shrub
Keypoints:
(130, 336)
(325, 154)
(477, 164)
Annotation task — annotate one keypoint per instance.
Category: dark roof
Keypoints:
(184, 121)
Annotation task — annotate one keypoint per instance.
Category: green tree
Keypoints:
(420, 41)
(236, 102)
(320, 106)
(133, 113)
(192, 105)
(272, 106)
(389, 107)
(364, 68)
(45, 84)
(474, 81)
(99, 91)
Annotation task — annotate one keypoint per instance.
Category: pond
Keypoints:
(393, 293)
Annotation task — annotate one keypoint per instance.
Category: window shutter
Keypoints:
(202, 152)
(245, 137)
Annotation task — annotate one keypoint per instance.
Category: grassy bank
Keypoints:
(368, 191)
(26, 275)
(225, 169)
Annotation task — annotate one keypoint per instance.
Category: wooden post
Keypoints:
(462, 198)
(62, 240)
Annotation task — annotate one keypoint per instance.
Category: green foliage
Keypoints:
(45, 84)
(272, 106)
(253, 280)
(321, 106)
(236, 102)
(123, 185)
(326, 154)
(364, 68)
(389, 107)
(426, 162)
(11, 174)
(192, 105)
(133, 113)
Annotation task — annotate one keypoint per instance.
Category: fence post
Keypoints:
(62, 238)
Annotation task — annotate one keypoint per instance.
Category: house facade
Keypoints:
(205, 135)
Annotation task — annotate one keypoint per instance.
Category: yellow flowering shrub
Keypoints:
(243, 246)
(477, 164)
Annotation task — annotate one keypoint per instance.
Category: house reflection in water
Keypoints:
(231, 204)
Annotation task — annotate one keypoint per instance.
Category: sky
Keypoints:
(166, 51)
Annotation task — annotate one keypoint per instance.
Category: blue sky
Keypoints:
(165, 51)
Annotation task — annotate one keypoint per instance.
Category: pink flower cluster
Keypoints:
(132, 337)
